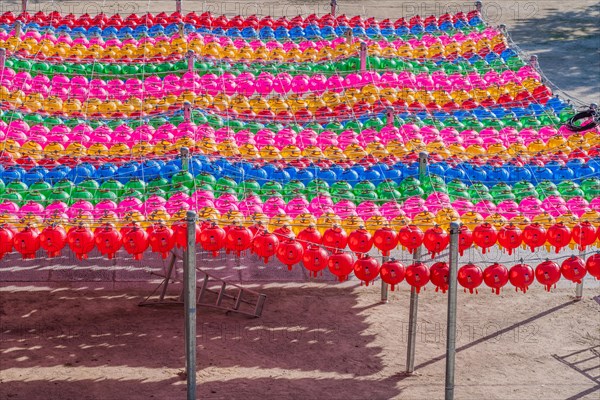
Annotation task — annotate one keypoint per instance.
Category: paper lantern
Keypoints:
(439, 276)
(27, 242)
(485, 236)
(521, 276)
(410, 237)
(290, 252)
(341, 264)
(593, 265)
(534, 236)
(547, 273)
(436, 240)
(495, 276)
(417, 275)
(584, 234)
(136, 241)
(465, 239)
(212, 239)
(180, 233)
(366, 269)
(510, 237)
(81, 241)
(238, 239)
(392, 272)
(559, 236)
(470, 277)
(308, 236)
(108, 240)
(573, 269)
(265, 245)
(315, 259)
(6, 240)
(360, 242)
(335, 238)
(53, 239)
(385, 239)
(162, 239)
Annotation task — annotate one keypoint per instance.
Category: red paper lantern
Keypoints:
(410, 237)
(439, 276)
(521, 277)
(212, 239)
(485, 236)
(315, 259)
(108, 240)
(392, 272)
(309, 236)
(27, 242)
(385, 239)
(360, 242)
(290, 252)
(573, 269)
(559, 236)
(584, 234)
(265, 245)
(496, 276)
(366, 269)
(162, 239)
(136, 241)
(283, 232)
(510, 237)
(436, 240)
(341, 264)
(53, 239)
(417, 275)
(335, 238)
(534, 236)
(547, 273)
(465, 239)
(81, 241)
(593, 265)
(6, 240)
(180, 233)
(238, 239)
(470, 277)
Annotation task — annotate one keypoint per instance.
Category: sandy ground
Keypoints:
(90, 340)
(313, 342)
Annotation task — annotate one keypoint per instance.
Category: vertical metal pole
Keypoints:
(333, 7)
(187, 111)
(363, 57)
(185, 158)
(479, 5)
(533, 61)
(348, 35)
(189, 277)
(24, 6)
(178, 6)
(190, 56)
(452, 294)
(414, 296)
(384, 286)
(18, 28)
(2, 59)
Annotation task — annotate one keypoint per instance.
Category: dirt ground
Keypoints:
(90, 340)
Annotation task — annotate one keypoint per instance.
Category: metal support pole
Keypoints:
(191, 57)
(579, 287)
(414, 296)
(178, 6)
(187, 111)
(479, 5)
(333, 7)
(390, 116)
(24, 6)
(452, 294)
(384, 286)
(181, 30)
(348, 35)
(18, 28)
(363, 57)
(185, 158)
(189, 277)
